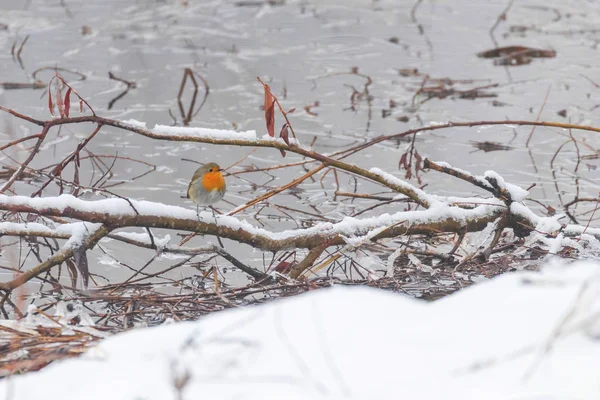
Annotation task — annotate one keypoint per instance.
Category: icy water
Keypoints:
(307, 51)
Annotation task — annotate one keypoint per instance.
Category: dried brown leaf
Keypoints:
(50, 103)
(419, 160)
(403, 163)
(269, 106)
(284, 134)
(270, 119)
(59, 101)
(67, 102)
(283, 267)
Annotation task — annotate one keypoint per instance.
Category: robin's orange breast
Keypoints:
(213, 181)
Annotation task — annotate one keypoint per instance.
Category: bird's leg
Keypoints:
(214, 215)
(216, 223)
(198, 212)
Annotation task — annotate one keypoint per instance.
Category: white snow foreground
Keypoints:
(523, 335)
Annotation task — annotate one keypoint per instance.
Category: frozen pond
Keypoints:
(315, 55)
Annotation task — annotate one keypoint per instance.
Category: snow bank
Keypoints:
(522, 335)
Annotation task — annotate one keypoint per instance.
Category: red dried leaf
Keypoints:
(68, 102)
(282, 153)
(81, 106)
(283, 267)
(291, 110)
(269, 111)
(268, 97)
(403, 163)
(406, 164)
(270, 119)
(59, 101)
(284, 134)
(50, 103)
(418, 160)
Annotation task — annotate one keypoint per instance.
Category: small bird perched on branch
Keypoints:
(207, 185)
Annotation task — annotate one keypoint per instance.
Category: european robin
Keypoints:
(207, 185)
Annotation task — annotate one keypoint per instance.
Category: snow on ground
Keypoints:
(523, 335)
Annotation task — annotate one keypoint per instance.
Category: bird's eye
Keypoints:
(210, 170)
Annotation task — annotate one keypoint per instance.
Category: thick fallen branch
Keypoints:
(117, 213)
